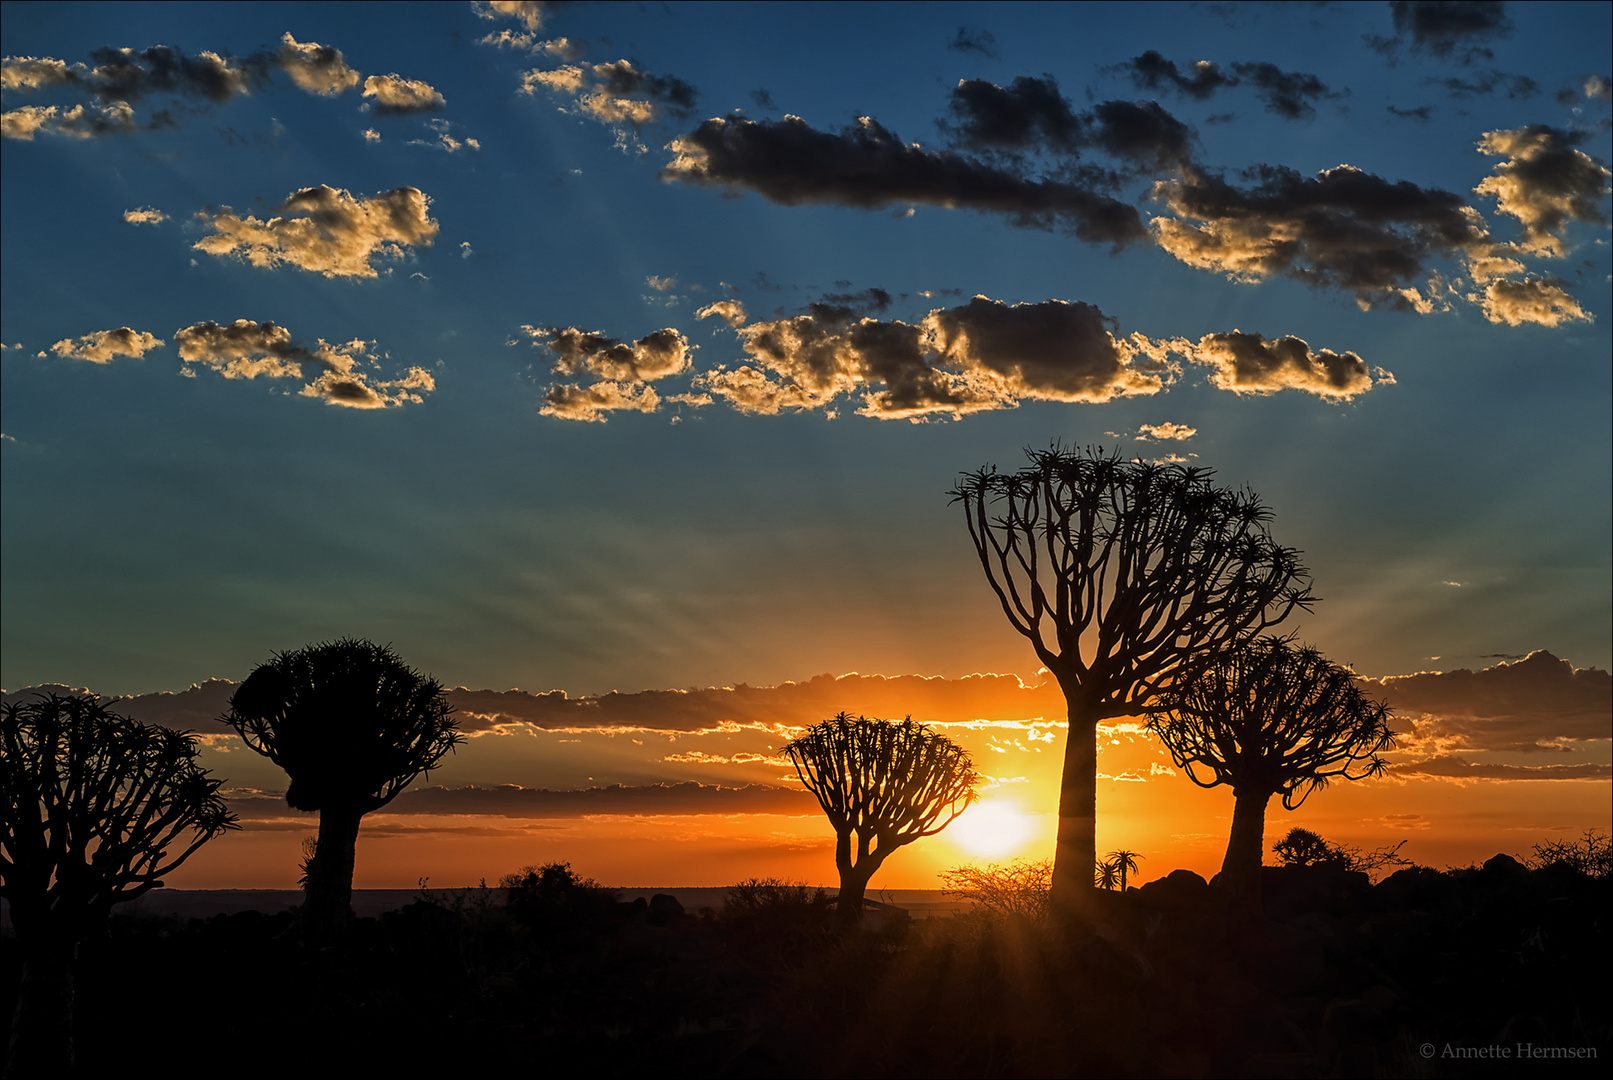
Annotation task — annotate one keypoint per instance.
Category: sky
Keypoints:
(631, 351)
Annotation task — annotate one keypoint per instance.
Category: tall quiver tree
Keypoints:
(1123, 575)
(882, 785)
(97, 808)
(1269, 718)
(352, 725)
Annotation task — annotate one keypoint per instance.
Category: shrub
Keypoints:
(1591, 854)
(1017, 889)
(1301, 847)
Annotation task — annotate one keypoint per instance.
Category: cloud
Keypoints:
(1597, 87)
(513, 801)
(731, 312)
(569, 401)
(661, 284)
(1488, 82)
(445, 141)
(1446, 29)
(102, 346)
(1031, 116)
(529, 13)
(29, 73)
(1167, 430)
(1533, 300)
(1536, 703)
(978, 356)
(1545, 183)
(326, 230)
(1422, 113)
(1151, 71)
(247, 350)
(397, 96)
(144, 216)
(616, 94)
(581, 352)
(1289, 94)
(866, 166)
(128, 75)
(1451, 767)
(975, 39)
(318, 69)
(1252, 364)
(1343, 228)
(75, 122)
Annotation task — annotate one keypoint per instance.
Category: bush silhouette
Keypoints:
(882, 785)
(1017, 889)
(97, 808)
(352, 725)
(1123, 576)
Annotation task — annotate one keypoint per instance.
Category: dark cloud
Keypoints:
(1343, 228)
(621, 369)
(1031, 116)
(617, 94)
(763, 99)
(514, 801)
(1423, 113)
(1536, 703)
(1516, 87)
(868, 167)
(1289, 94)
(1451, 767)
(1447, 29)
(976, 40)
(843, 307)
(127, 75)
(1151, 71)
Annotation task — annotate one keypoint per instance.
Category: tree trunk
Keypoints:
(1240, 870)
(329, 903)
(1076, 854)
(854, 878)
(42, 1024)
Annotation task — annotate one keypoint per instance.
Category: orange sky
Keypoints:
(682, 788)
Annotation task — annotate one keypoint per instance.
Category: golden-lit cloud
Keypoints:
(103, 346)
(582, 352)
(1253, 364)
(144, 216)
(395, 95)
(731, 312)
(326, 230)
(1533, 300)
(318, 69)
(616, 94)
(28, 73)
(594, 403)
(75, 122)
(1167, 431)
(1545, 183)
(529, 13)
(247, 350)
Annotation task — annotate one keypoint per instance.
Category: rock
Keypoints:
(665, 909)
(1180, 890)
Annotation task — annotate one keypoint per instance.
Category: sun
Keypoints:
(992, 829)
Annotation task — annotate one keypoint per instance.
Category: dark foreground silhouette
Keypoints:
(552, 977)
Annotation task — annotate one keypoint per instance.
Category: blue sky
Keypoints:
(1449, 486)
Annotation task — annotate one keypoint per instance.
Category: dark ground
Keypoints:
(1342, 978)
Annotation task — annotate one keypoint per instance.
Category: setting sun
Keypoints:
(993, 829)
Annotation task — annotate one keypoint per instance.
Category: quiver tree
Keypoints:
(882, 785)
(1123, 575)
(352, 725)
(1269, 718)
(97, 809)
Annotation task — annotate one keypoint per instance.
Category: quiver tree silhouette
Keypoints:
(1124, 576)
(352, 725)
(1269, 718)
(97, 809)
(882, 785)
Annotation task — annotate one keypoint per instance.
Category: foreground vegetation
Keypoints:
(1341, 978)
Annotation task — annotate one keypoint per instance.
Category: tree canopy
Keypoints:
(1123, 576)
(882, 785)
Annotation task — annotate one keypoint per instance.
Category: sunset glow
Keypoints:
(614, 365)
